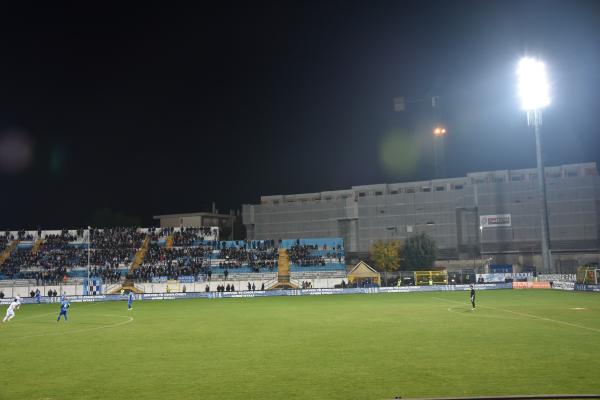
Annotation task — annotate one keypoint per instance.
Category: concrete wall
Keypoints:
(449, 210)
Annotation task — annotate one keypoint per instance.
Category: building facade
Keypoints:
(230, 227)
(495, 213)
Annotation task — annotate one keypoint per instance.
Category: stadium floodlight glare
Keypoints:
(439, 131)
(533, 84)
(535, 95)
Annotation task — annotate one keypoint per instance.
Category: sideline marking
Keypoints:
(528, 315)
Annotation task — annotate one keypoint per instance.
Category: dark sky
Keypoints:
(155, 110)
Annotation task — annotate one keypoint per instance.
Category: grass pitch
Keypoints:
(317, 347)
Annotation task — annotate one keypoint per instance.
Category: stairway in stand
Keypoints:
(283, 272)
(36, 246)
(140, 254)
(137, 261)
(169, 242)
(8, 251)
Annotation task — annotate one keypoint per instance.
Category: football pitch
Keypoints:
(314, 347)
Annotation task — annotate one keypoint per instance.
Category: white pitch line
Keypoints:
(529, 316)
(129, 319)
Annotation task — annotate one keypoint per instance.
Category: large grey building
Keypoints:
(493, 213)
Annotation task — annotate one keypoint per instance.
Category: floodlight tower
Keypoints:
(439, 135)
(534, 93)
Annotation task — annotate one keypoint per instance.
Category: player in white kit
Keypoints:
(10, 312)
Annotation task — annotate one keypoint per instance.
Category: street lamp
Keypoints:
(535, 95)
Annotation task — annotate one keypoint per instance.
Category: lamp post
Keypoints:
(534, 93)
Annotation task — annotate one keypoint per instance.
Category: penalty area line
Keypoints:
(531, 316)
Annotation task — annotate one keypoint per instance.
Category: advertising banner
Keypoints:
(270, 293)
(561, 285)
(587, 288)
(492, 278)
(493, 221)
(531, 285)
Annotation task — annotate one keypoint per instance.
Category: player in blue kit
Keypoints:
(64, 306)
(130, 301)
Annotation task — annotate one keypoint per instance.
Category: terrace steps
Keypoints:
(169, 242)
(140, 254)
(127, 285)
(36, 246)
(8, 251)
(283, 272)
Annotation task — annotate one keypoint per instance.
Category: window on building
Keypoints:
(378, 193)
(394, 192)
(440, 188)
(409, 190)
(362, 194)
(572, 173)
(426, 189)
(498, 179)
(458, 187)
(516, 178)
(275, 202)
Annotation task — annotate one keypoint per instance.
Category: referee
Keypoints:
(472, 297)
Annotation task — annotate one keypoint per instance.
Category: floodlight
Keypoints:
(533, 84)
(439, 131)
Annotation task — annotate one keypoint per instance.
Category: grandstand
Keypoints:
(157, 259)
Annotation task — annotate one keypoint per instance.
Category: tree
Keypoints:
(386, 256)
(419, 252)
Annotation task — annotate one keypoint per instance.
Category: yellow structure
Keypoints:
(283, 272)
(363, 273)
(140, 254)
(424, 278)
(36, 246)
(169, 242)
(8, 251)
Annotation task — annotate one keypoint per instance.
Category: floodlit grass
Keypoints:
(318, 347)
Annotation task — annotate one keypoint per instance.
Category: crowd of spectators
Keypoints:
(190, 236)
(114, 249)
(44, 265)
(304, 254)
(301, 255)
(108, 275)
(46, 277)
(256, 259)
(127, 238)
(145, 273)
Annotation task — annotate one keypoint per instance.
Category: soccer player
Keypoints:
(472, 297)
(38, 296)
(64, 306)
(130, 301)
(10, 311)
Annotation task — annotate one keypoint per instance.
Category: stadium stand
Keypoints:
(160, 254)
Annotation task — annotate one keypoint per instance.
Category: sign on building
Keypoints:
(492, 221)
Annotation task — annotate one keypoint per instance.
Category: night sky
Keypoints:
(151, 110)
